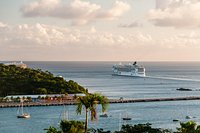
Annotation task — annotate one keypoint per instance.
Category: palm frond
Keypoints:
(90, 101)
(79, 107)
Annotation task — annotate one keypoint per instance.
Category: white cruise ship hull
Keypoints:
(130, 74)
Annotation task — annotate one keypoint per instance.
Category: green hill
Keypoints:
(17, 81)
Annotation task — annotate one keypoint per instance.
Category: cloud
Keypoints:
(161, 4)
(130, 25)
(118, 9)
(3, 25)
(79, 12)
(48, 42)
(41, 35)
(30, 36)
(176, 13)
(190, 40)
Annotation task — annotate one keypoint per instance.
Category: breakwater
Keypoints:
(111, 101)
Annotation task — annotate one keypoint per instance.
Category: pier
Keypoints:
(153, 100)
(111, 101)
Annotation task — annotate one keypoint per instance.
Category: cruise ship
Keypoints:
(129, 70)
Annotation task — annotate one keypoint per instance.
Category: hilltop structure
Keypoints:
(18, 64)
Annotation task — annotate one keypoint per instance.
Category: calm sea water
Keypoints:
(163, 78)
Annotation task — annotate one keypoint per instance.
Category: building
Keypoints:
(18, 64)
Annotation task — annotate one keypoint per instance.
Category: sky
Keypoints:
(100, 30)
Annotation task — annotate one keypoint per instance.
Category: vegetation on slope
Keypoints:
(72, 126)
(17, 81)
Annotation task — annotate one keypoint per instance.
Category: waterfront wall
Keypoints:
(111, 101)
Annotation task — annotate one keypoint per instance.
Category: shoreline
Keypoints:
(73, 102)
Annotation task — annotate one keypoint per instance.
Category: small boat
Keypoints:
(126, 118)
(64, 114)
(104, 115)
(188, 117)
(21, 113)
(24, 116)
(175, 120)
(183, 89)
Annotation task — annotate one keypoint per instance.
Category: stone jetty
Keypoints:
(111, 101)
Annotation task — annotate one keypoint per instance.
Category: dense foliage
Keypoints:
(188, 127)
(15, 80)
(141, 128)
(72, 126)
(68, 127)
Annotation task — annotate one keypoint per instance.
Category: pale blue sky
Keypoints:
(90, 30)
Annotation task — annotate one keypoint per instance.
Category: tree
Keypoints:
(68, 127)
(141, 128)
(189, 127)
(90, 102)
(42, 91)
(101, 130)
(72, 126)
(29, 99)
(52, 130)
(19, 81)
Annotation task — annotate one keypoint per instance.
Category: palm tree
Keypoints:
(90, 102)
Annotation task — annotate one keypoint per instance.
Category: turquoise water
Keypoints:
(163, 78)
(160, 114)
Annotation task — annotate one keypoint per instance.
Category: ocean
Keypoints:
(161, 81)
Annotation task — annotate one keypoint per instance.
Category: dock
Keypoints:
(154, 100)
(111, 101)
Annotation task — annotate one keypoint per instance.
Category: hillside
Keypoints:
(16, 81)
